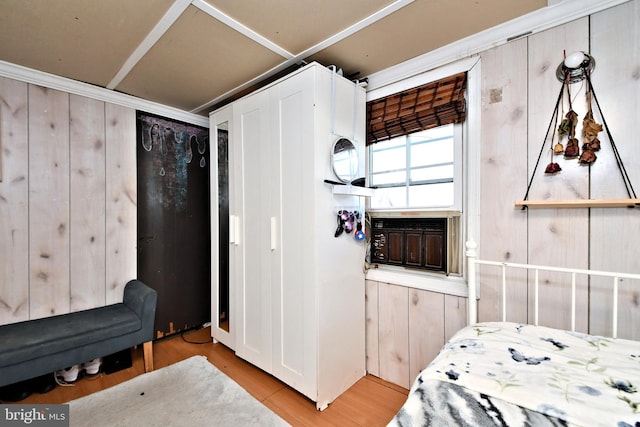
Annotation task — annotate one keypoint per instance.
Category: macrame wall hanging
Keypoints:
(582, 148)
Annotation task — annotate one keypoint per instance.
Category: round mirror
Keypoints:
(344, 158)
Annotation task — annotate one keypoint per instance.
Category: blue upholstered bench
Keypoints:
(36, 347)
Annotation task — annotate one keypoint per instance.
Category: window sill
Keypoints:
(414, 213)
(450, 285)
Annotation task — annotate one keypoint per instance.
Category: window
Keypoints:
(415, 161)
(417, 171)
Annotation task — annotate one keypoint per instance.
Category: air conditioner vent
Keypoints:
(430, 224)
(410, 242)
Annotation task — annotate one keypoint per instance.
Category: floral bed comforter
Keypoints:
(501, 373)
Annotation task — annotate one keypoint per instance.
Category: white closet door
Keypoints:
(253, 289)
(295, 328)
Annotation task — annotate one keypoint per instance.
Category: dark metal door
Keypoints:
(173, 220)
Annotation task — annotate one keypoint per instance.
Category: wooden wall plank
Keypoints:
(394, 334)
(503, 174)
(371, 336)
(14, 199)
(87, 204)
(426, 328)
(556, 236)
(48, 201)
(58, 174)
(614, 243)
(455, 315)
(121, 200)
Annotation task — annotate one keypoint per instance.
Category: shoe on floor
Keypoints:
(15, 392)
(68, 375)
(92, 367)
(43, 384)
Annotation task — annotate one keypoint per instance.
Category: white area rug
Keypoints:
(191, 393)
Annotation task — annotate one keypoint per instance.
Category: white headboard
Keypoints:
(473, 261)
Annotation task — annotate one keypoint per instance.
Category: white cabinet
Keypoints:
(296, 292)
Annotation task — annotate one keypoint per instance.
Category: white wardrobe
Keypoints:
(295, 291)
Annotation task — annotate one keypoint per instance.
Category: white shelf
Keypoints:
(353, 190)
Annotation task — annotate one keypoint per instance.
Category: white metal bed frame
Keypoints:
(473, 261)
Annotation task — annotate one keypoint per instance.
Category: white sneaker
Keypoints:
(92, 367)
(68, 375)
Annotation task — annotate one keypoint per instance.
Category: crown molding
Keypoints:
(534, 22)
(29, 75)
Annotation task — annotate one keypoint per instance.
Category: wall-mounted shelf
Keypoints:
(353, 190)
(578, 203)
(349, 189)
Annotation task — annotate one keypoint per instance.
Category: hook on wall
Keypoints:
(575, 67)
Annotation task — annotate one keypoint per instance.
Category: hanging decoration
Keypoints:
(590, 131)
(577, 67)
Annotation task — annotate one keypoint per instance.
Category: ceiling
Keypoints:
(196, 55)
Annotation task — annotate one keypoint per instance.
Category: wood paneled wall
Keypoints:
(406, 327)
(67, 202)
(614, 234)
(519, 93)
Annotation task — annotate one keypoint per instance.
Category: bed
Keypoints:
(512, 374)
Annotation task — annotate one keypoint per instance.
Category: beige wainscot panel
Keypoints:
(121, 200)
(455, 310)
(14, 200)
(48, 201)
(406, 327)
(371, 313)
(557, 236)
(426, 328)
(614, 243)
(394, 334)
(504, 175)
(87, 203)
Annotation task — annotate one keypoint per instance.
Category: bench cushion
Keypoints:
(35, 338)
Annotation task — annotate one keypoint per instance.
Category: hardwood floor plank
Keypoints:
(299, 411)
(370, 402)
(387, 384)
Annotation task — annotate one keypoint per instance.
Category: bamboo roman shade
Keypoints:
(424, 107)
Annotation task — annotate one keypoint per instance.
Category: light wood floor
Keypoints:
(370, 402)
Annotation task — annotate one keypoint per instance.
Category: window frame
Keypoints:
(412, 74)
